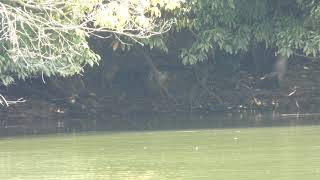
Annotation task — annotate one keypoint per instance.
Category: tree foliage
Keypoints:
(289, 27)
(49, 37)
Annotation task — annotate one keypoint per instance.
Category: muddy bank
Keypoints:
(120, 90)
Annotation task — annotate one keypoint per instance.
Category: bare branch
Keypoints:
(6, 103)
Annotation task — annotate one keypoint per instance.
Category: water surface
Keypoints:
(264, 153)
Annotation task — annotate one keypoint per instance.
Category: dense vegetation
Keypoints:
(288, 27)
(157, 56)
(50, 37)
(46, 37)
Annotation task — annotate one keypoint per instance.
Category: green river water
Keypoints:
(257, 153)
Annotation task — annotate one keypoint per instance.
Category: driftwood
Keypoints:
(298, 114)
(6, 103)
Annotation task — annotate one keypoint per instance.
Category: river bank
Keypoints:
(79, 102)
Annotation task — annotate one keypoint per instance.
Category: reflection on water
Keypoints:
(222, 147)
(163, 121)
(204, 121)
